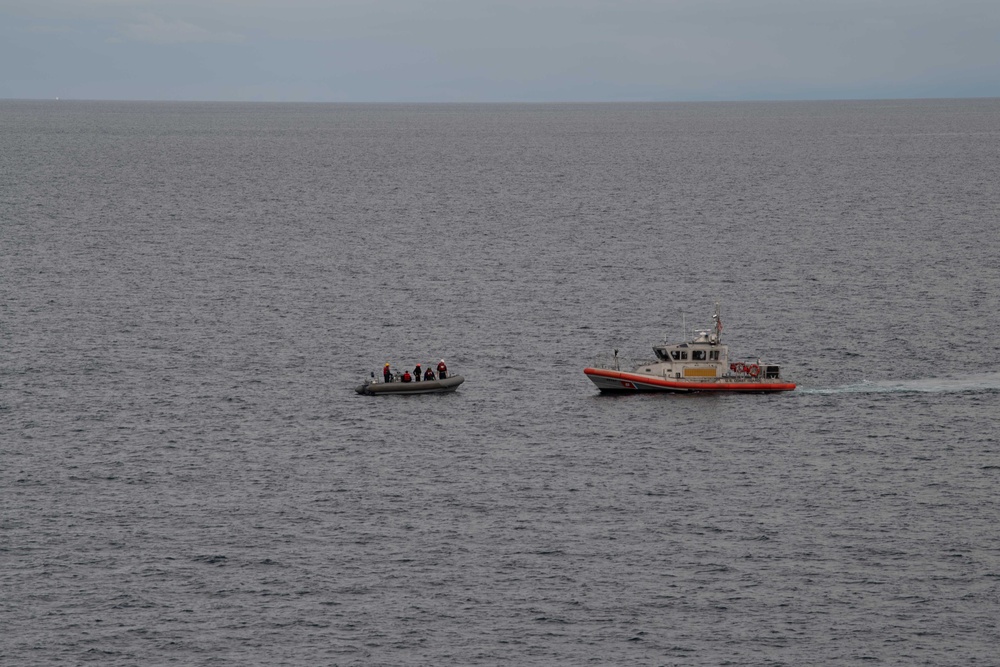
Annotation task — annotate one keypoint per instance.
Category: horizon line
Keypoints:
(774, 100)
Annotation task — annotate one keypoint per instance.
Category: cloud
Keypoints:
(157, 30)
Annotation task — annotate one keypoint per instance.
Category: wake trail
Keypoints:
(988, 382)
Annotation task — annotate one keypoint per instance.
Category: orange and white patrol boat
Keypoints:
(701, 364)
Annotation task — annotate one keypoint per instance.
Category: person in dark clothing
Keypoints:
(416, 373)
(429, 375)
(442, 370)
(386, 373)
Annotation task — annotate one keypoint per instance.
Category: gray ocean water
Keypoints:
(190, 292)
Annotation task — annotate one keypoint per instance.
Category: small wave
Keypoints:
(988, 382)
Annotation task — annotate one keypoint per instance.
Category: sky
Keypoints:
(498, 50)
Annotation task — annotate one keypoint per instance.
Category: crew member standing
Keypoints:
(416, 373)
(386, 373)
(442, 370)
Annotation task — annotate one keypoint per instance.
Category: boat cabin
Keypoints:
(703, 357)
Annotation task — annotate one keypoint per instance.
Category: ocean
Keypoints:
(190, 292)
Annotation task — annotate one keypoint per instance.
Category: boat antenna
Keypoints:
(718, 321)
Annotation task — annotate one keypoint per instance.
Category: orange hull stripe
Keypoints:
(697, 386)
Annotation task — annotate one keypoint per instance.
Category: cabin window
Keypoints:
(679, 355)
(698, 355)
(714, 355)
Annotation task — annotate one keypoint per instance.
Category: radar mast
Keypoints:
(718, 322)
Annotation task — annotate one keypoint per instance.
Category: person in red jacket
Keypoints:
(386, 373)
(442, 370)
(406, 376)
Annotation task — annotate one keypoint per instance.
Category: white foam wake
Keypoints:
(969, 383)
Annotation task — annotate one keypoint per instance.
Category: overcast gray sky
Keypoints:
(498, 50)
